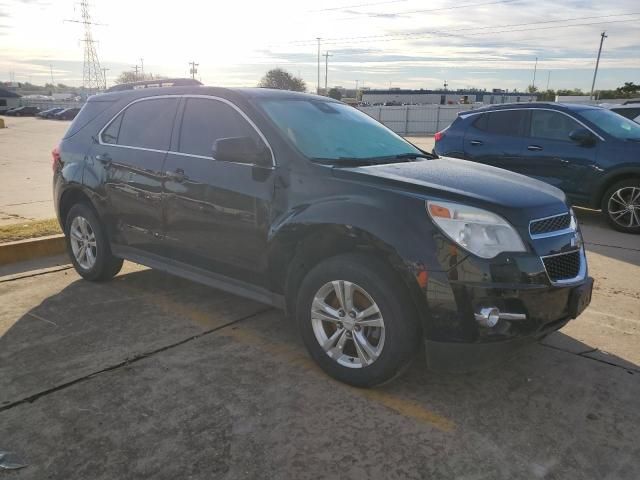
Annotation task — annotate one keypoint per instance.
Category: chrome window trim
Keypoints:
(186, 95)
(573, 227)
(468, 114)
(582, 273)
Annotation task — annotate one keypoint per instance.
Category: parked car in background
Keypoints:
(309, 205)
(590, 153)
(49, 112)
(23, 112)
(66, 114)
(630, 111)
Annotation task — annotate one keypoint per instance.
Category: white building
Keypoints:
(8, 99)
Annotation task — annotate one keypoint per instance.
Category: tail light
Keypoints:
(55, 158)
(439, 136)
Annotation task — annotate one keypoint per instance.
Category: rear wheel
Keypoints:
(88, 245)
(621, 205)
(357, 323)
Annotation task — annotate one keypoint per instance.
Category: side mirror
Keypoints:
(582, 136)
(241, 150)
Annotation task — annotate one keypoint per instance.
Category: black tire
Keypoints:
(105, 266)
(611, 202)
(401, 326)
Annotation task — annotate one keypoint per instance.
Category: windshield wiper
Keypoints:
(633, 139)
(344, 161)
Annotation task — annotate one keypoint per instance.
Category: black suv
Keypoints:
(592, 154)
(309, 205)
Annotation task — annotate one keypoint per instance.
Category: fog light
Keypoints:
(488, 317)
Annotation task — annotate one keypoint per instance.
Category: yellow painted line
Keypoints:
(295, 358)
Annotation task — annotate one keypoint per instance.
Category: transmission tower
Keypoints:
(92, 75)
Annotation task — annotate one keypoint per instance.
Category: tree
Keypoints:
(532, 89)
(335, 93)
(629, 88)
(282, 80)
(131, 76)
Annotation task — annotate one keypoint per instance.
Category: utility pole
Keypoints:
(135, 69)
(445, 85)
(142, 67)
(326, 72)
(318, 84)
(104, 76)
(193, 68)
(548, 78)
(357, 89)
(51, 71)
(91, 71)
(595, 73)
(535, 67)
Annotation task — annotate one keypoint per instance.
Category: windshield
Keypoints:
(333, 131)
(615, 125)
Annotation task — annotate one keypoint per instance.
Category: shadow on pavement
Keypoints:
(151, 375)
(601, 238)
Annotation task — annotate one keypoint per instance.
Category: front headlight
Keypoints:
(483, 233)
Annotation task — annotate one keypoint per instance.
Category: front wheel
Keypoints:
(621, 206)
(357, 320)
(88, 246)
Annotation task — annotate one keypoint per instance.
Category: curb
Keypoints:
(12, 252)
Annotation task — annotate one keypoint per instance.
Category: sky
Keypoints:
(378, 43)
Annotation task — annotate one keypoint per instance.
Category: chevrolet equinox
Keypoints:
(374, 247)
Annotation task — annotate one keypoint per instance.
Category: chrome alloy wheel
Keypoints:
(624, 207)
(347, 324)
(83, 242)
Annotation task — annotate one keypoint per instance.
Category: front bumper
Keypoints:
(466, 345)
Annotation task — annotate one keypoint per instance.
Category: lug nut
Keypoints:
(341, 313)
(352, 314)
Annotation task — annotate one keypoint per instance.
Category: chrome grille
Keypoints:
(564, 266)
(549, 225)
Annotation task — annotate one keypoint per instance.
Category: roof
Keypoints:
(157, 83)
(529, 105)
(4, 93)
(229, 93)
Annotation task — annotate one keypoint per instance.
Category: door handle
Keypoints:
(564, 161)
(534, 148)
(177, 175)
(104, 158)
(476, 142)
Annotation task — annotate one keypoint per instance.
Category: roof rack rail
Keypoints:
(160, 82)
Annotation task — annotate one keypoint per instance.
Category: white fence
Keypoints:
(417, 119)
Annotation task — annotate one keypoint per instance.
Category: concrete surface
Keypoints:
(153, 376)
(25, 160)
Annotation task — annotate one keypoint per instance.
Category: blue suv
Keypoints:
(590, 153)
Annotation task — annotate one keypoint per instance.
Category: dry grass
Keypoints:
(24, 230)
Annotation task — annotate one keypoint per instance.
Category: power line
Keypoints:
(402, 36)
(355, 6)
(357, 15)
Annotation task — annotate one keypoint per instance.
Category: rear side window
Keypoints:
(551, 125)
(145, 124)
(88, 112)
(205, 121)
(630, 113)
(509, 122)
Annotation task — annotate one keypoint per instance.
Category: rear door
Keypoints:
(217, 212)
(497, 138)
(130, 155)
(551, 156)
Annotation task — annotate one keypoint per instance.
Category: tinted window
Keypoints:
(110, 135)
(205, 121)
(552, 125)
(148, 124)
(505, 123)
(88, 113)
(630, 113)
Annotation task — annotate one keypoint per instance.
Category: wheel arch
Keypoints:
(611, 179)
(70, 197)
(300, 247)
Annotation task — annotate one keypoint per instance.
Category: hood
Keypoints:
(514, 196)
